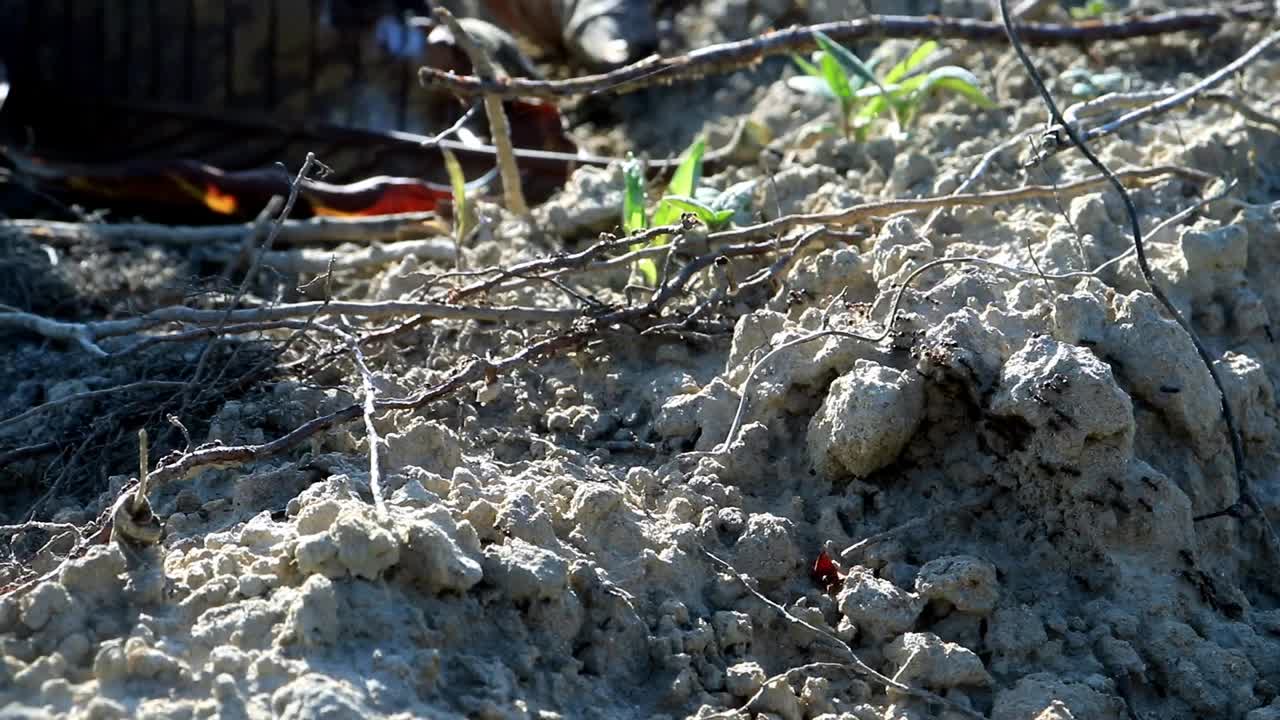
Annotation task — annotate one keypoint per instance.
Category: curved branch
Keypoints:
(727, 57)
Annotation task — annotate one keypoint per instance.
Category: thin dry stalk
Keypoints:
(843, 648)
(1112, 102)
(499, 129)
(369, 407)
(852, 552)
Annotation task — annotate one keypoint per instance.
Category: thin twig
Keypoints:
(978, 170)
(69, 332)
(843, 648)
(884, 208)
(1123, 100)
(802, 671)
(90, 332)
(197, 376)
(731, 56)
(369, 410)
(585, 261)
(90, 395)
(183, 465)
(448, 132)
(48, 527)
(313, 260)
(931, 519)
(99, 329)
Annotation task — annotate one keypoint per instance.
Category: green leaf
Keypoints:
(805, 66)
(720, 218)
(689, 173)
(633, 197)
(836, 77)
(918, 56)
(1092, 9)
(633, 218)
(462, 214)
(872, 110)
(846, 58)
(709, 216)
(957, 80)
(649, 269)
(879, 102)
(683, 182)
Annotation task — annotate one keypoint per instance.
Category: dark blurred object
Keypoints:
(599, 33)
(150, 90)
(444, 53)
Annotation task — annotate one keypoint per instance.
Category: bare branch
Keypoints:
(731, 56)
(1189, 93)
(1115, 101)
(884, 208)
(292, 232)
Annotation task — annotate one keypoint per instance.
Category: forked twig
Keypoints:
(930, 519)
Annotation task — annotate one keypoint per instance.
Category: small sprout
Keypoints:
(839, 74)
(633, 218)
(1091, 10)
(706, 214)
(675, 203)
(463, 213)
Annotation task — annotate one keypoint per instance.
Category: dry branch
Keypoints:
(87, 334)
(884, 208)
(726, 57)
(292, 232)
(1112, 102)
(183, 465)
(96, 330)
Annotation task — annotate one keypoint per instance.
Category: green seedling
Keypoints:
(675, 202)
(463, 214)
(839, 74)
(1091, 10)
